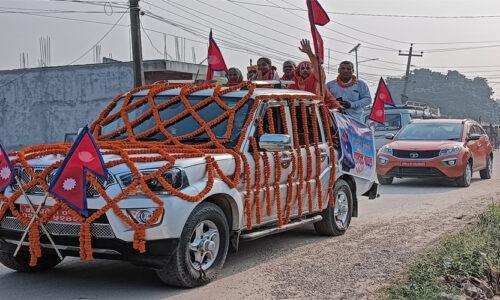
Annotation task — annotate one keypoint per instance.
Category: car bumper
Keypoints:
(421, 168)
(157, 255)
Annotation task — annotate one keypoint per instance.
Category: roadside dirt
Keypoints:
(377, 248)
(349, 267)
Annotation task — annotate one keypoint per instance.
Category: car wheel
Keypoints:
(336, 219)
(465, 179)
(202, 248)
(21, 262)
(486, 172)
(385, 180)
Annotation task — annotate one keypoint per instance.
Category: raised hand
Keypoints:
(305, 47)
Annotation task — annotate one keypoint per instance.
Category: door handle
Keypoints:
(285, 159)
(324, 155)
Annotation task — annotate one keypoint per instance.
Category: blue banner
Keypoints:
(358, 148)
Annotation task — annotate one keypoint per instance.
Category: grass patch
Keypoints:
(456, 256)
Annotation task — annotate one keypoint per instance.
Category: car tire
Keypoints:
(336, 219)
(385, 180)
(21, 262)
(486, 172)
(204, 243)
(465, 179)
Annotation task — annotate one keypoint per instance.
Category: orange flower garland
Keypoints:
(345, 85)
(130, 151)
(303, 109)
(319, 187)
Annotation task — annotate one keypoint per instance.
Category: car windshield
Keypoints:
(431, 131)
(183, 126)
(392, 122)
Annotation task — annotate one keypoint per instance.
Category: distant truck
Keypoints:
(398, 116)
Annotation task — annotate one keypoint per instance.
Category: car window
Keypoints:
(307, 124)
(184, 125)
(479, 129)
(431, 131)
(392, 122)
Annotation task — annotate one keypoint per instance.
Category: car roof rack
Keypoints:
(277, 84)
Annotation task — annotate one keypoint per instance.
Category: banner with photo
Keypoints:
(357, 143)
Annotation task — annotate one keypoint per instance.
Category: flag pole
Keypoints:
(35, 216)
(320, 78)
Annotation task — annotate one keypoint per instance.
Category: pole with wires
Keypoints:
(135, 31)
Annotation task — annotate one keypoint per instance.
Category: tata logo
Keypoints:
(413, 155)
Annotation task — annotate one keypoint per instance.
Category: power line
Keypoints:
(52, 11)
(301, 29)
(459, 49)
(374, 15)
(102, 38)
(151, 42)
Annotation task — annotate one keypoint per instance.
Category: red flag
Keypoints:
(382, 97)
(215, 60)
(6, 170)
(317, 16)
(69, 183)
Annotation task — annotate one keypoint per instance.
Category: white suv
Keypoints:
(187, 245)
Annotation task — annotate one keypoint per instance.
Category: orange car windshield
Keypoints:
(431, 131)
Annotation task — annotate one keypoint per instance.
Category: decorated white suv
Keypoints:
(192, 171)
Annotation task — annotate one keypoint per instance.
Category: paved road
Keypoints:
(410, 216)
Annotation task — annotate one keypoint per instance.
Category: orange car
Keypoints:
(447, 148)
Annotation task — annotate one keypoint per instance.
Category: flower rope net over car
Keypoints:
(129, 150)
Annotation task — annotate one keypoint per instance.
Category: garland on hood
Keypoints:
(130, 151)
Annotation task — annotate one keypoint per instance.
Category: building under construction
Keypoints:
(43, 105)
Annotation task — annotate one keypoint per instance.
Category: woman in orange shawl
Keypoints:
(307, 77)
(266, 71)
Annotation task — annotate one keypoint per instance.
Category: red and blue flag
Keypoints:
(69, 183)
(382, 97)
(317, 16)
(6, 170)
(215, 60)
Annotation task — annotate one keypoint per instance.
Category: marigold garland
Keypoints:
(303, 109)
(345, 85)
(131, 151)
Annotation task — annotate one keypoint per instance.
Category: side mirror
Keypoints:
(473, 137)
(275, 142)
(389, 136)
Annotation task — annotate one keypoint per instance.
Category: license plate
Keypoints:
(413, 164)
(61, 215)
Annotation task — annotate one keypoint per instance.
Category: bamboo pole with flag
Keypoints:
(382, 97)
(69, 183)
(317, 16)
(70, 186)
(7, 174)
(215, 59)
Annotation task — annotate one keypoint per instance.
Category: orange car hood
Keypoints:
(423, 145)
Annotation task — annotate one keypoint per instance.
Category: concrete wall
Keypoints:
(41, 105)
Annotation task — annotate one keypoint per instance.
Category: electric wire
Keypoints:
(376, 15)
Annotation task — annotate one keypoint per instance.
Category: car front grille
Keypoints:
(412, 153)
(25, 177)
(98, 230)
(415, 172)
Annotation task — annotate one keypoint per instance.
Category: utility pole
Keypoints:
(355, 49)
(404, 97)
(135, 31)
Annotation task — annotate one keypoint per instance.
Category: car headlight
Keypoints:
(176, 177)
(142, 215)
(385, 150)
(449, 151)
